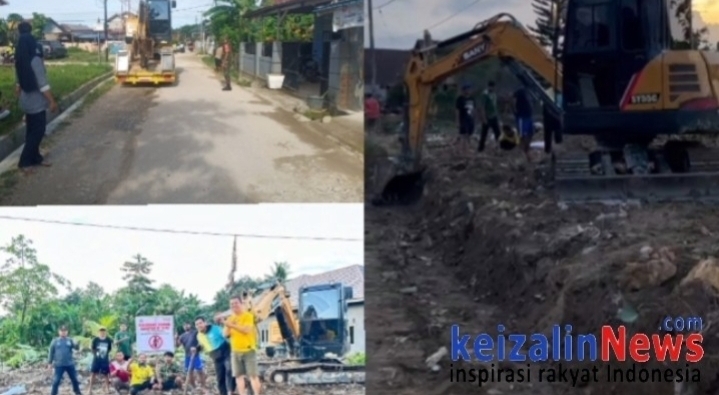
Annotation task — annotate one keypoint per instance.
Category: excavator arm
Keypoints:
(501, 36)
(262, 306)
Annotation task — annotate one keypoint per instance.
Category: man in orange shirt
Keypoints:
(372, 112)
(240, 328)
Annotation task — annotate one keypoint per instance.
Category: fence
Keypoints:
(260, 59)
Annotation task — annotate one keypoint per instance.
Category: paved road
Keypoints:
(191, 143)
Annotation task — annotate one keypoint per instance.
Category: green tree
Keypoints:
(280, 271)
(13, 20)
(24, 282)
(39, 21)
(544, 25)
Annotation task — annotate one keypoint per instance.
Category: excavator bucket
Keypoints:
(402, 189)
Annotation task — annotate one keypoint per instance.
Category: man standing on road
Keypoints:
(213, 343)
(226, 62)
(240, 328)
(61, 360)
(120, 372)
(489, 115)
(122, 341)
(193, 362)
(101, 347)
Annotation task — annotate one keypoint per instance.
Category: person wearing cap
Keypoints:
(101, 346)
(35, 97)
(465, 109)
(60, 359)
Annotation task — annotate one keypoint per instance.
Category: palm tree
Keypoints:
(12, 21)
(280, 271)
(226, 18)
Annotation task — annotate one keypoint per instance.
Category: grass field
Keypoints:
(80, 55)
(64, 79)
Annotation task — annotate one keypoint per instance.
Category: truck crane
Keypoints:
(150, 58)
(316, 338)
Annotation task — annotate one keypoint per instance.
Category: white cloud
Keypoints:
(197, 264)
(402, 22)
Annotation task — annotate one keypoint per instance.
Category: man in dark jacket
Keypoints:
(214, 344)
(61, 360)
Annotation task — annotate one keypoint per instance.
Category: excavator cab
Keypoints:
(323, 325)
(607, 46)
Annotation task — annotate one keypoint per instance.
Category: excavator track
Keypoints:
(317, 373)
(576, 179)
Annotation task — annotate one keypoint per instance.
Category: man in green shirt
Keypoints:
(489, 115)
(123, 343)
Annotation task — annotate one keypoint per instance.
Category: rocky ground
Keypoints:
(37, 381)
(489, 243)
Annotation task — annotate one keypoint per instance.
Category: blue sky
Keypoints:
(88, 11)
(197, 264)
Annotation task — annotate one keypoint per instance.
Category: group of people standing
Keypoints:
(468, 111)
(231, 344)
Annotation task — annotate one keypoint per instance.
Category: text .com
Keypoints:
(677, 339)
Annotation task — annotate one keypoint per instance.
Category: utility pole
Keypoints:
(104, 27)
(373, 58)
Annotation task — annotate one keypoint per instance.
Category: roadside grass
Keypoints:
(80, 55)
(64, 79)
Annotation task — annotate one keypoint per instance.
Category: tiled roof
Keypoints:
(350, 276)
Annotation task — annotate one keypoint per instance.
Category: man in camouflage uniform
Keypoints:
(168, 374)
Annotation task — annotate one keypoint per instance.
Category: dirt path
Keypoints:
(490, 245)
(192, 143)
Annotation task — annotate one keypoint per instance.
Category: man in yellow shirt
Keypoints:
(141, 375)
(240, 328)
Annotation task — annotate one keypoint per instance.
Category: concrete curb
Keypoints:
(11, 143)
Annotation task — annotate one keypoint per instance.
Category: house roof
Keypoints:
(350, 276)
(391, 64)
(75, 28)
(117, 15)
(49, 20)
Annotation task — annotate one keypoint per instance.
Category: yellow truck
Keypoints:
(150, 58)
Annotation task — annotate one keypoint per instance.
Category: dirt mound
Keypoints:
(511, 251)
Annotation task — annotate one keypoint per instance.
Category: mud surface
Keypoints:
(489, 244)
(190, 143)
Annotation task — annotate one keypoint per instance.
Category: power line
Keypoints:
(470, 5)
(379, 7)
(177, 231)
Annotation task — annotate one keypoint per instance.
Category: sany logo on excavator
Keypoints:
(476, 51)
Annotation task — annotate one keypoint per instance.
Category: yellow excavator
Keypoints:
(622, 79)
(314, 340)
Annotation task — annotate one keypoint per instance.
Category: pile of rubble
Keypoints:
(489, 244)
(38, 380)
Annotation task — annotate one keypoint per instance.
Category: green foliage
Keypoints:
(39, 21)
(357, 359)
(225, 20)
(36, 302)
(64, 80)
